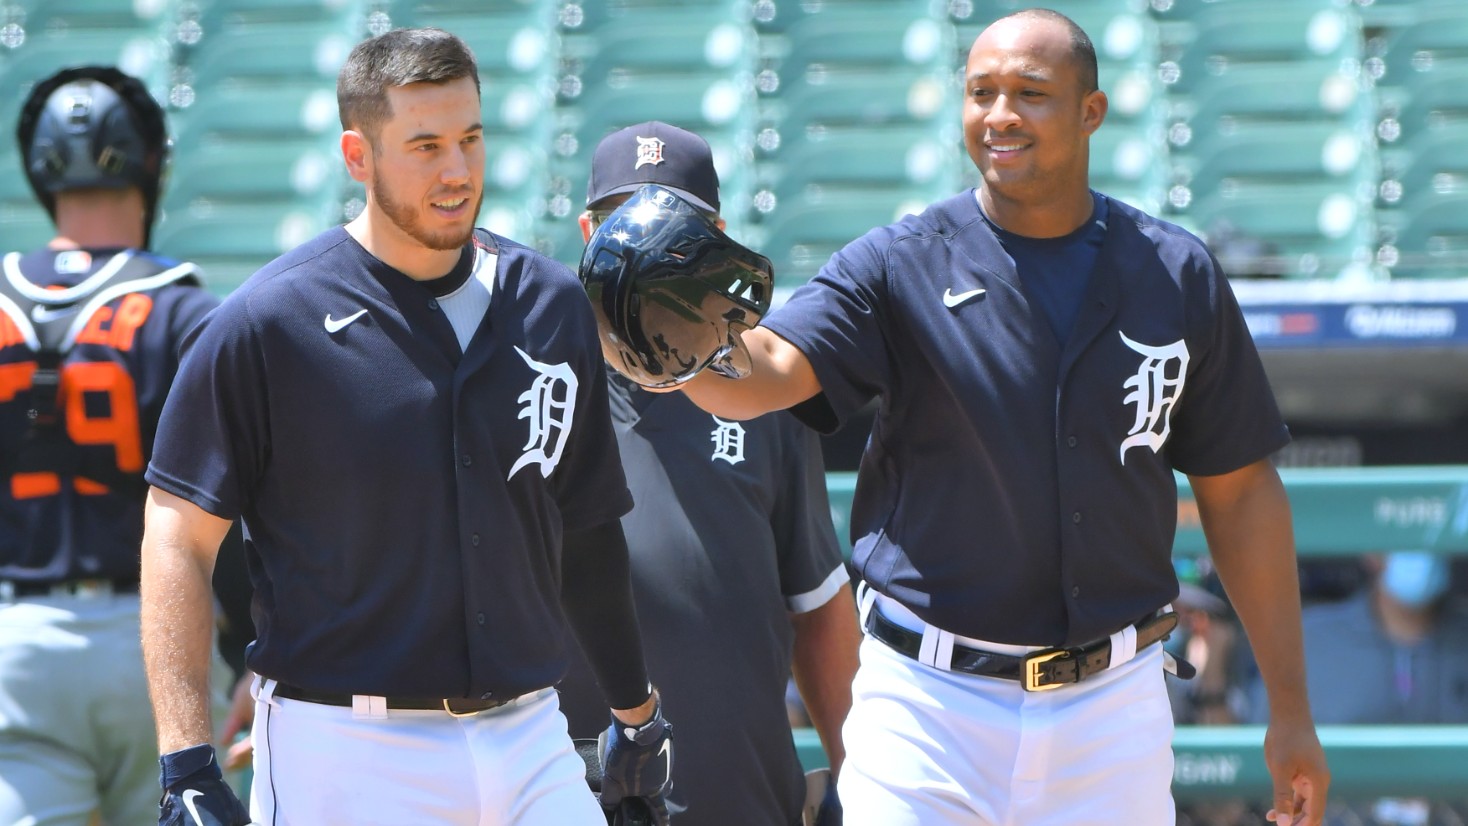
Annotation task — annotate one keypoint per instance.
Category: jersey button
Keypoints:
(1076, 517)
(1070, 442)
(432, 304)
(465, 460)
(1075, 590)
(480, 617)
(474, 540)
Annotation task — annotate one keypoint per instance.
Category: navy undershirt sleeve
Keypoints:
(596, 594)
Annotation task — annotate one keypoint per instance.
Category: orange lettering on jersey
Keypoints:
(94, 332)
(32, 485)
(15, 378)
(131, 314)
(9, 333)
(86, 487)
(120, 427)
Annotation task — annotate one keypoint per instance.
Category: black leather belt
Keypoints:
(71, 587)
(457, 706)
(1039, 670)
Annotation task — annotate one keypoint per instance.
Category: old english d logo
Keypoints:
(1155, 390)
(649, 150)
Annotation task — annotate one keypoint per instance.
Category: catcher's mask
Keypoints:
(92, 127)
(671, 291)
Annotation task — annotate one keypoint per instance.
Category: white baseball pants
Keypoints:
(510, 766)
(928, 747)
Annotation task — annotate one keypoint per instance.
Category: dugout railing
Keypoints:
(1337, 512)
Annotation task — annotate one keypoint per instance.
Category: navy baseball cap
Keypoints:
(654, 153)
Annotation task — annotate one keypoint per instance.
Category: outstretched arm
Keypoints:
(824, 664)
(781, 377)
(180, 542)
(1246, 517)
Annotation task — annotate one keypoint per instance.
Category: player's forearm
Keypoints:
(824, 663)
(1251, 539)
(178, 618)
(596, 595)
(781, 378)
(177, 622)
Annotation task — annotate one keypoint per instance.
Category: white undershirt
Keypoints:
(465, 306)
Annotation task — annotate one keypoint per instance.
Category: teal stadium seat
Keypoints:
(1320, 229)
(1434, 162)
(1429, 236)
(1220, 36)
(854, 165)
(1429, 45)
(807, 234)
(232, 241)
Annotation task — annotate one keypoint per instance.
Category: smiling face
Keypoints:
(1028, 116)
(425, 166)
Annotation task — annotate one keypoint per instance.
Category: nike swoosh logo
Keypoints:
(333, 324)
(42, 314)
(950, 300)
(188, 801)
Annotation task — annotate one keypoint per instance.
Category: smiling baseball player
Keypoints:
(411, 417)
(1045, 358)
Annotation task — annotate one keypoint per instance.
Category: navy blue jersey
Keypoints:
(1013, 489)
(730, 535)
(403, 504)
(59, 525)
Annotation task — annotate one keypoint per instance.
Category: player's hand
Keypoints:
(194, 791)
(637, 762)
(240, 750)
(822, 806)
(1297, 765)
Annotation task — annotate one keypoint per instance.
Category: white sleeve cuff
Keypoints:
(821, 594)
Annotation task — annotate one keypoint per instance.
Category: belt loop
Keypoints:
(264, 691)
(368, 707)
(942, 649)
(865, 597)
(928, 653)
(7, 590)
(1123, 646)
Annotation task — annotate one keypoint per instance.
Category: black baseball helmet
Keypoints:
(671, 291)
(92, 127)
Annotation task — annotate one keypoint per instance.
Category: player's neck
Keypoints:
(98, 223)
(1046, 217)
(397, 249)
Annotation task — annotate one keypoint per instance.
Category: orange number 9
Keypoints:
(118, 428)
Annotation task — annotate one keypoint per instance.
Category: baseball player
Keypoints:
(1045, 357)
(411, 417)
(734, 560)
(90, 328)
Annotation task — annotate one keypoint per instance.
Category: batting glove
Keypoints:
(638, 762)
(194, 791)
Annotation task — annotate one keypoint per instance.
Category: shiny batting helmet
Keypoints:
(92, 127)
(671, 291)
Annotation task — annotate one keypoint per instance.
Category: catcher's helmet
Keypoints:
(92, 127)
(671, 291)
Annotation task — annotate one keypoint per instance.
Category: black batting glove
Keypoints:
(830, 813)
(638, 763)
(194, 791)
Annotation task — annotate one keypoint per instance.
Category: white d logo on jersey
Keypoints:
(1155, 388)
(549, 407)
(728, 439)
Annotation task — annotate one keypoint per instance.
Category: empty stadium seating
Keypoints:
(1348, 116)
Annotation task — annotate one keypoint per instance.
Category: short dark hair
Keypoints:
(397, 58)
(1082, 51)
